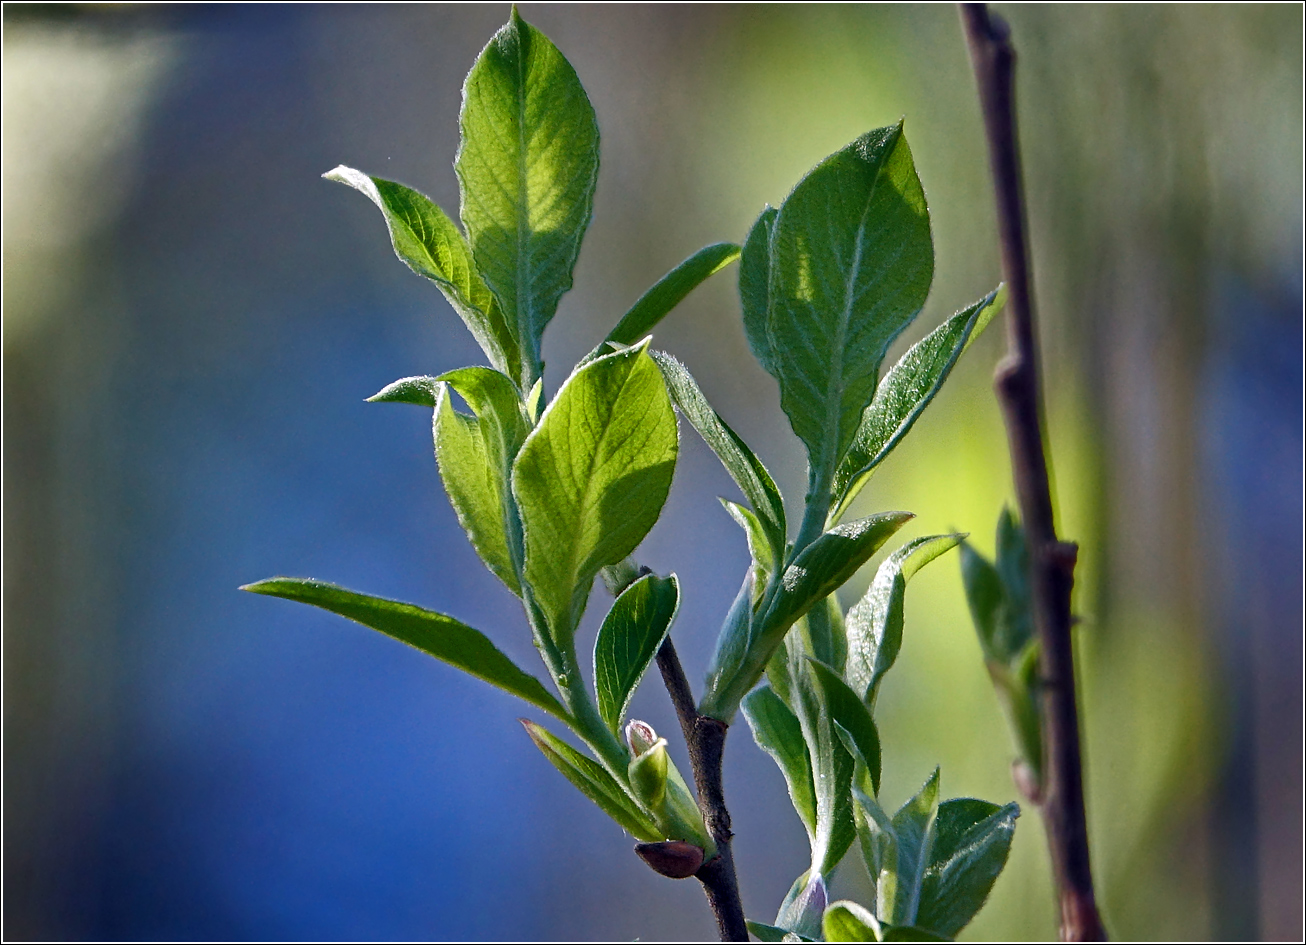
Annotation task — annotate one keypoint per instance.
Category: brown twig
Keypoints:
(1052, 562)
(706, 739)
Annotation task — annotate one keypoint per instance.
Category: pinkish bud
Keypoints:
(640, 736)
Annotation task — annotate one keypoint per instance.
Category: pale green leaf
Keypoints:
(911, 827)
(759, 545)
(527, 167)
(591, 479)
(777, 732)
(428, 241)
(419, 391)
(436, 634)
(803, 907)
(744, 467)
(879, 844)
(969, 844)
(904, 393)
(628, 641)
(851, 265)
(667, 293)
(732, 642)
(846, 921)
(847, 709)
(874, 624)
(594, 782)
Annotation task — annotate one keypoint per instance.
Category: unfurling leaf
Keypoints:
(628, 641)
(527, 167)
(428, 241)
(851, 264)
(591, 479)
(874, 624)
(436, 634)
(905, 392)
(594, 782)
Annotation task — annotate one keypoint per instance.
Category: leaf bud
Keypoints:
(675, 859)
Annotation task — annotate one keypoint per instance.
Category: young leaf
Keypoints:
(905, 392)
(629, 639)
(848, 710)
(667, 293)
(744, 467)
(759, 545)
(969, 844)
(755, 287)
(846, 921)
(910, 933)
(419, 391)
(778, 733)
(874, 624)
(426, 239)
(851, 265)
(594, 782)
(591, 479)
(879, 844)
(911, 827)
(475, 458)
(803, 907)
(441, 636)
(732, 643)
(527, 166)
(771, 933)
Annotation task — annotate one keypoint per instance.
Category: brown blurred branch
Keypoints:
(706, 739)
(1052, 562)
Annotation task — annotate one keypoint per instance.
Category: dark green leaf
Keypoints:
(767, 933)
(594, 782)
(911, 933)
(475, 457)
(969, 844)
(851, 265)
(628, 641)
(667, 293)
(846, 921)
(419, 391)
(905, 392)
(847, 709)
(744, 467)
(777, 732)
(527, 167)
(874, 624)
(591, 479)
(428, 241)
(1016, 628)
(441, 636)
(755, 286)
(985, 596)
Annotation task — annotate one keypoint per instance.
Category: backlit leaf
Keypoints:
(628, 641)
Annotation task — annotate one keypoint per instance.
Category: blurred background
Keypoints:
(192, 319)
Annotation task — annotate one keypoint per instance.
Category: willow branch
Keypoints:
(1052, 562)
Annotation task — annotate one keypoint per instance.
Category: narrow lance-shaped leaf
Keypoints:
(778, 733)
(911, 827)
(439, 635)
(851, 265)
(969, 843)
(905, 392)
(426, 239)
(755, 287)
(847, 709)
(628, 641)
(475, 458)
(744, 467)
(668, 292)
(527, 166)
(594, 782)
(591, 479)
(759, 545)
(874, 624)
(820, 569)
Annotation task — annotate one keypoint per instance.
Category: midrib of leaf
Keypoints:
(525, 317)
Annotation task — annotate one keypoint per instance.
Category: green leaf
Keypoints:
(770, 933)
(846, 921)
(848, 710)
(591, 479)
(905, 392)
(732, 643)
(911, 825)
(911, 933)
(969, 844)
(987, 599)
(755, 287)
(744, 467)
(426, 239)
(420, 391)
(594, 782)
(759, 545)
(874, 624)
(628, 641)
(778, 733)
(851, 265)
(436, 634)
(667, 293)
(475, 458)
(803, 908)
(527, 167)
(1016, 628)
(879, 843)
